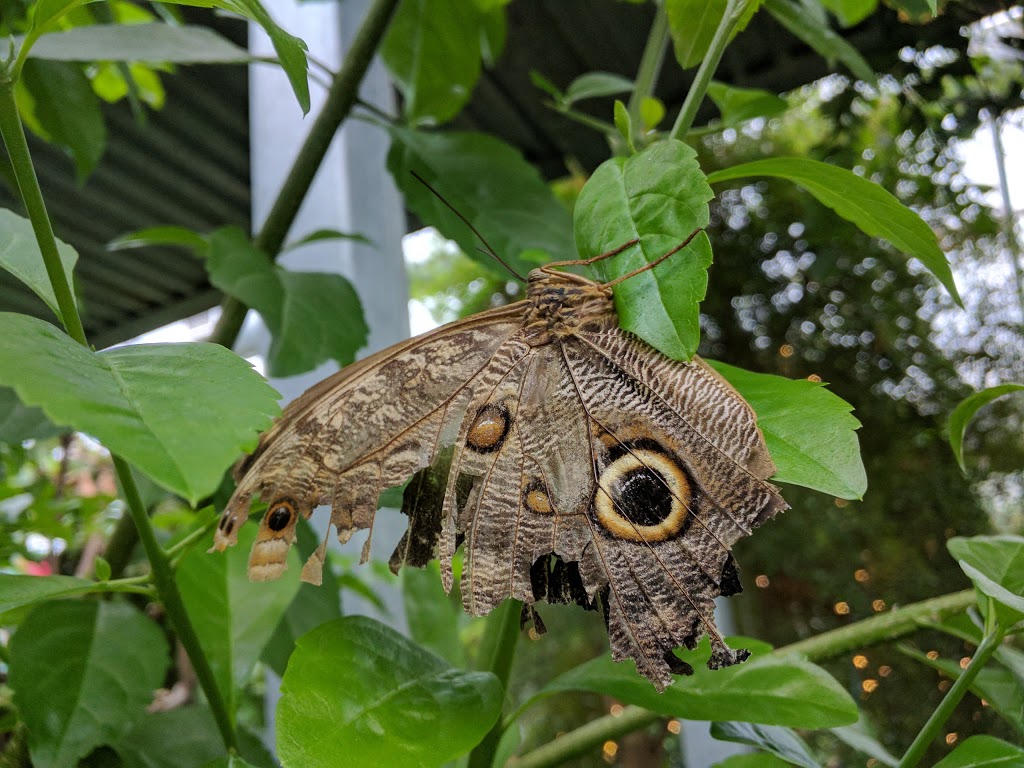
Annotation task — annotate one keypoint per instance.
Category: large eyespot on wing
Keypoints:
(643, 495)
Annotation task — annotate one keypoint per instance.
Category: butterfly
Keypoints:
(571, 460)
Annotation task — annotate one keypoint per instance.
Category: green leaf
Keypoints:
(152, 43)
(752, 760)
(312, 606)
(180, 412)
(964, 412)
(859, 737)
(432, 50)
(851, 12)
(83, 672)
(770, 689)
(860, 201)
(996, 566)
(18, 591)
(18, 422)
(231, 761)
(327, 234)
(781, 742)
(491, 184)
(20, 255)
(692, 25)
(983, 752)
(660, 197)
(809, 431)
(233, 617)
(166, 235)
(652, 112)
(624, 125)
(313, 316)
(184, 737)
(434, 618)
(592, 85)
(383, 699)
(102, 569)
(738, 105)
(65, 111)
(820, 37)
(543, 83)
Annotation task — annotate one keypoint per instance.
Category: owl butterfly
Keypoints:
(574, 462)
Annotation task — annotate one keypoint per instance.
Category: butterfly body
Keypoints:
(575, 462)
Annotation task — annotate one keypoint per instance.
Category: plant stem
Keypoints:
(340, 99)
(167, 587)
(733, 12)
(32, 197)
(888, 626)
(650, 64)
(496, 653)
(989, 644)
(163, 577)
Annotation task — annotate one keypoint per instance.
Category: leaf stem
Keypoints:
(163, 576)
(496, 653)
(167, 587)
(989, 644)
(888, 626)
(650, 64)
(341, 97)
(32, 196)
(730, 18)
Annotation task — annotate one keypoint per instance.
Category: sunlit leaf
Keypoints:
(660, 197)
(182, 413)
(809, 431)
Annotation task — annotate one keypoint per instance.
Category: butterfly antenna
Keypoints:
(489, 250)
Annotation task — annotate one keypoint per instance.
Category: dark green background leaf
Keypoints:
(20, 422)
(829, 45)
(383, 699)
(180, 412)
(964, 412)
(234, 617)
(808, 429)
(65, 110)
(659, 196)
(313, 316)
(738, 105)
(433, 51)
(83, 672)
(312, 606)
(491, 184)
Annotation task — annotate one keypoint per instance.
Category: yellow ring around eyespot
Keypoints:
(678, 486)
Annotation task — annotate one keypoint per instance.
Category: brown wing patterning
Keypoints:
(575, 462)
